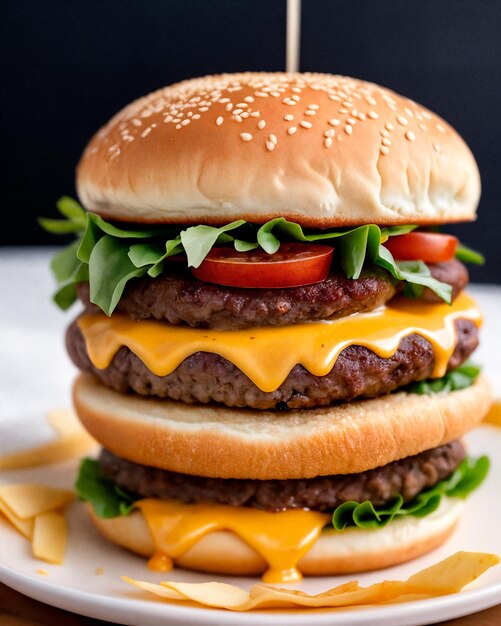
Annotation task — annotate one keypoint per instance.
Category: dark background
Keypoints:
(69, 65)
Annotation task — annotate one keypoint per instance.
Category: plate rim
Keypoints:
(99, 606)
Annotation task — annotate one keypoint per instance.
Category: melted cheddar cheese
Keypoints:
(282, 539)
(267, 355)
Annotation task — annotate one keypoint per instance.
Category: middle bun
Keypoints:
(242, 443)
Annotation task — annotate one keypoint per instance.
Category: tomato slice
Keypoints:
(418, 246)
(293, 265)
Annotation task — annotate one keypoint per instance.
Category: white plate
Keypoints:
(76, 586)
(31, 386)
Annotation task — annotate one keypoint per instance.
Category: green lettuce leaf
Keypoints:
(415, 273)
(136, 251)
(107, 498)
(75, 218)
(110, 268)
(459, 378)
(198, 240)
(467, 255)
(468, 476)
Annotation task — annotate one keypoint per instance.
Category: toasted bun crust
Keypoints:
(319, 149)
(353, 550)
(237, 443)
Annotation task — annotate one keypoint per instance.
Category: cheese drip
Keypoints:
(266, 355)
(282, 539)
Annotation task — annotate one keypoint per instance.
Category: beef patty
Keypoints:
(407, 477)
(206, 377)
(179, 298)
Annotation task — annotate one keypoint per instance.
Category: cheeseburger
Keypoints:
(274, 336)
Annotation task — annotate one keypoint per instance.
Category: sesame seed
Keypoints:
(249, 99)
(270, 146)
(242, 105)
(255, 114)
(260, 94)
(329, 133)
(185, 122)
(440, 128)
(333, 122)
(275, 94)
(402, 120)
(288, 117)
(410, 135)
(313, 107)
(261, 124)
(228, 107)
(386, 142)
(384, 150)
(310, 112)
(176, 120)
(408, 112)
(389, 126)
(246, 136)
(223, 100)
(237, 118)
(391, 106)
(335, 98)
(348, 129)
(190, 113)
(426, 115)
(384, 133)
(327, 142)
(237, 111)
(244, 114)
(437, 147)
(202, 109)
(305, 124)
(370, 100)
(295, 97)
(423, 127)
(196, 116)
(343, 110)
(138, 122)
(273, 139)
(351, 121)
(219, 120)
(178, 126)
(361, 116)
(291, 130)
(296, 89)
(372, 115)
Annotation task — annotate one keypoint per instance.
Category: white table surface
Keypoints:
(36, 373)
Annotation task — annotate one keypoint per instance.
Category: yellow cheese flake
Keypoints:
(24, 526)
(494, 415)
(64, 421)
(72, 441)
(49, 537)
(27, 501)
(62, 448)
(447, 576)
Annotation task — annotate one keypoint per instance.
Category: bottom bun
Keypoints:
(349, 551)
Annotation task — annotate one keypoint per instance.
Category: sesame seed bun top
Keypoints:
(319, 149)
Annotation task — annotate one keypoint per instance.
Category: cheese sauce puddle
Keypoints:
(282, 539)
(267, 355)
